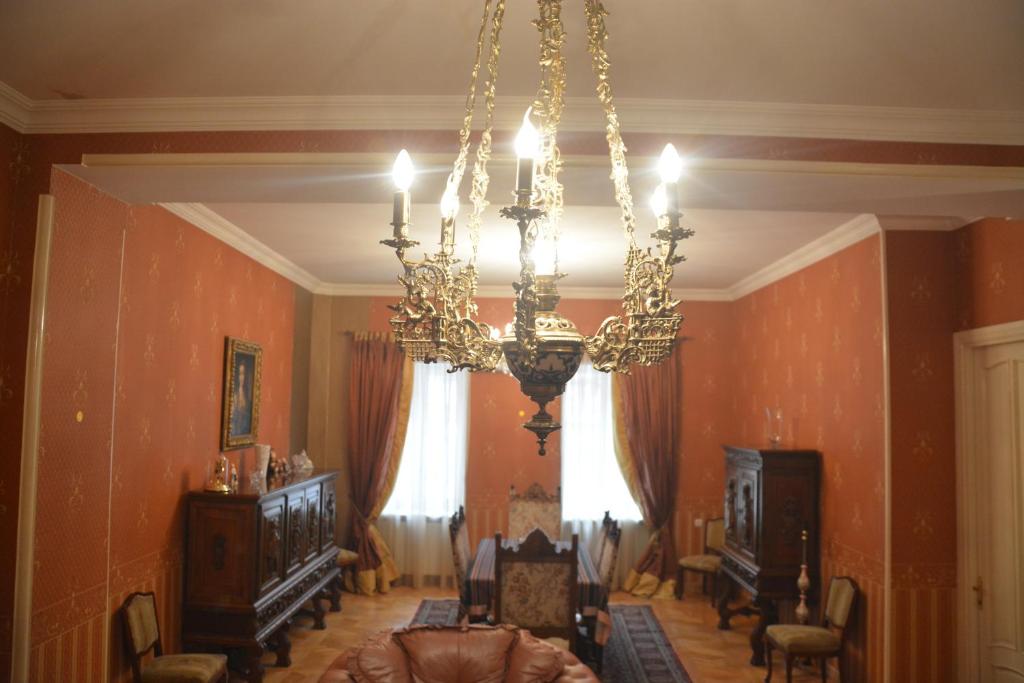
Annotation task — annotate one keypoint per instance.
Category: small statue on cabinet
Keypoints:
(221, 478)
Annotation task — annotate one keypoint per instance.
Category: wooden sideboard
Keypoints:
(253, 558)
(771, 496)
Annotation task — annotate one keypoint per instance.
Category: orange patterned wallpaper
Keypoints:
(989, 265)
(138, 308)
(811, 344)
(938, 283)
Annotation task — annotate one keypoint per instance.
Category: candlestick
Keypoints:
(526, 144)
(400, 215)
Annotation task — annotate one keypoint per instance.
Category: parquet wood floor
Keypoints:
(709, 655)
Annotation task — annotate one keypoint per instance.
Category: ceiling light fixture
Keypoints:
(436, 319)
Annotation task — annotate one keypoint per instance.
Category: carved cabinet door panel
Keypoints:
(328, 518)
(747, 511)
(312, 522)
(296, 530)
(272, 543)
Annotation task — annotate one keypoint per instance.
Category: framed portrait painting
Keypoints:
(243, 362)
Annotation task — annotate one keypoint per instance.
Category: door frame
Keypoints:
(966, 346)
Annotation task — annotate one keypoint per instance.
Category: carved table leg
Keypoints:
(283, 646)
(254, 668)
(334, 593)
(318, 613)
(769, 615)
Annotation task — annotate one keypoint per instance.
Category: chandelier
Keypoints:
(436, 319)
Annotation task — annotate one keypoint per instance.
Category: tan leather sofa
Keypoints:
(457, 654)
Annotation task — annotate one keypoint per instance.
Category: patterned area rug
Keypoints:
(637, 652)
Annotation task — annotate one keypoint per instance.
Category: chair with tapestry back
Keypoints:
(462, 557)
(535, 586)
(596, 622)
(535, 509)
(142, 635)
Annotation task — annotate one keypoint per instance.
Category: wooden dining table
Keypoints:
(481, 577)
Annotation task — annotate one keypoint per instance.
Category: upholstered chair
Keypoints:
(535, 586)
(535, 509)
(462, 557)
(142, 635)
(707, 563)
(825, 641)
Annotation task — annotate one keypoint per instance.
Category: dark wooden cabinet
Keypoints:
(253, 558)
(771, 496)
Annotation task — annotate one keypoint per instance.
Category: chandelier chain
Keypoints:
(459, 167)
(549, 103)
(597, 34)
(481, 178)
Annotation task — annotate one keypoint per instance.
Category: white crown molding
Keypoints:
(851, 232)
(926, 223)
(431, 112)
(232, 235)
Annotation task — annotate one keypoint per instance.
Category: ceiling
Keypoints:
(956, 55)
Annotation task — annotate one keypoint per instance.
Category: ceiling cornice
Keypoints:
(219, 227)
(639, 115)
(850, 232)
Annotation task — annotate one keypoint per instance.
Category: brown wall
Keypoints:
(138, 307)
(811, 344)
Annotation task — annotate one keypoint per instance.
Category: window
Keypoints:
(591, 479)
(432, 475)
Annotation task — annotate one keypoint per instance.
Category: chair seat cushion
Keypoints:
(701, 563)
(191, 668)
(805, 640)
(346, 557)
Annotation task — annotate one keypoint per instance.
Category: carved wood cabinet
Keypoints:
(771, 496)
(253, 558)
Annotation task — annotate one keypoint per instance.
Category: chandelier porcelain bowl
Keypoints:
(436, 319)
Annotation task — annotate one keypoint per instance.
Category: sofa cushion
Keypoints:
(379, 660)
(471, 654)
(533, 661)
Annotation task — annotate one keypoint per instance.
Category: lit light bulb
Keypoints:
(544, 257)
(510, 329)
(659, 202)
(495, 334)
(450, 203)
(670, 165)
(402, 171)
(527, 140)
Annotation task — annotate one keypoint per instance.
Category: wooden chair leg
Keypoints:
(768, 660)
(714, 587)
(824, 669)
(789, 668)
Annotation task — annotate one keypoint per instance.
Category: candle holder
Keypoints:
(773, 420)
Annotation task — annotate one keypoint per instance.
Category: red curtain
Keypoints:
(373, 417)
(651, 419)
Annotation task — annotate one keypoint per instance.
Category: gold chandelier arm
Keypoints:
(549, 103)
(481, 179)
(597, 34)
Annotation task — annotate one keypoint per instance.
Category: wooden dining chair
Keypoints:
(818, 642)
(594, 628)
(536, 586)
(708, 563)
(142, 635)
(462, 557)
(534, 509)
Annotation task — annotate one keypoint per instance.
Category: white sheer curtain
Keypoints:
(431, 482)
(591, 479)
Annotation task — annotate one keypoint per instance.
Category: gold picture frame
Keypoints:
(240, 420)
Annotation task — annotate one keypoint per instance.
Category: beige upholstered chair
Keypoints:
(706, 564)
(535, 509)
(814, 641)
(462, 557)
(142, 634)
(535, 586)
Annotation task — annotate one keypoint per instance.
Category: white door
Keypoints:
(1000, 530)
